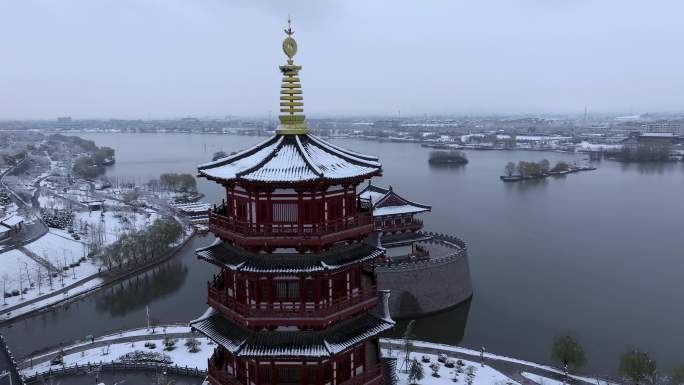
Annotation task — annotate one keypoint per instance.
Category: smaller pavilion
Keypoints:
(396, 217)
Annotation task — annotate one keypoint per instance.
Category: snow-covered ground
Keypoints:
(13, 267)
(59, 249)
(459, 349)
(158, 333)
(540, 379)
(18, 271)
(113, 224)
(481, 375)
(179, 355)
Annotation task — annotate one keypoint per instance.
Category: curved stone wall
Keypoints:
(420, 288)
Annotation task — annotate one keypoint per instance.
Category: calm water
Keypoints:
(598, 253)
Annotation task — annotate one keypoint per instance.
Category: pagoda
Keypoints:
(296, 300)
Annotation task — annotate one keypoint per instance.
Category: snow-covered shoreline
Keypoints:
(468, 367)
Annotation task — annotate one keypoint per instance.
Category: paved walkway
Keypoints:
(511, 368)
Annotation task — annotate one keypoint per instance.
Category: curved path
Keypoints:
(510, 367)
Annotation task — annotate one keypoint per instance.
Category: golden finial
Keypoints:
(289, 44)
(292, 119)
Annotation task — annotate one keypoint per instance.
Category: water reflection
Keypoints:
(451, 330)
(446, 167)
(137, 292)
(651, 168)
(528, 185)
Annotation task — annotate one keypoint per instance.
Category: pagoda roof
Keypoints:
(387, 202)
(243, 342)
(292, 159)
(236, 258)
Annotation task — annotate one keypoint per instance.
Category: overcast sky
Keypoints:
(212, 58)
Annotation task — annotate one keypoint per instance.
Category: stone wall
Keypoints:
(420, 288)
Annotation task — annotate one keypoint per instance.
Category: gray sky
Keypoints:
(175, 58)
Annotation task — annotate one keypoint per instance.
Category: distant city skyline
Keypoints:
(152, 59)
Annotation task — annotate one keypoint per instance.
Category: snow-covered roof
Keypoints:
(235, 258)
(291, 159)
(321, 343)
(386, 202)
(394, 210)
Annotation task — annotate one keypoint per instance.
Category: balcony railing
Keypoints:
(414, 225)
(369, 377)
(219, 220)
(365, 298)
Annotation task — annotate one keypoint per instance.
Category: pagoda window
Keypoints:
(355, 279)
(265, 374)
(312, 375)
(289, 375)
(343, 368)
(339, 286)
(327, 372)
(241, 371)
(241, 211)
(287, 290)
(240, 290)
(309, 289)
(334, 208)
(264, 291)
(350, 205)
(262, 212)
(307, 212)
(359, 358)
(285, 213)
(252, 373)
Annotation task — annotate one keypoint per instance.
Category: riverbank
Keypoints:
(84, 287)
(574, 244)
(115, 348)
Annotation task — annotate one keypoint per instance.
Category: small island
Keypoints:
(452, 157)
(538, 170)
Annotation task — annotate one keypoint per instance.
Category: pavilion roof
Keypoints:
(292, 159)
(387, 202)
(321, 343)
(236, 258)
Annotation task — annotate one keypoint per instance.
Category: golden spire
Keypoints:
(291, 100)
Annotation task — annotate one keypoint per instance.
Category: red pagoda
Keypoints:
(296, 301)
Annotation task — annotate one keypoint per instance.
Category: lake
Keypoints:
(598, 253)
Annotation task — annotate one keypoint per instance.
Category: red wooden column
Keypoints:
(269, 210)
(300, 211)
(345, 209)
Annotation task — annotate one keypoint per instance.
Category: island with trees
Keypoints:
(452, 157)
(537, 170)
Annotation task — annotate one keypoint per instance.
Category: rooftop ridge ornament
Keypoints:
(292, 118)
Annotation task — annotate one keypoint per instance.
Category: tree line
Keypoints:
(642, 153)
(532, 169)
(141, 246)
(93, 165)
(178, 182)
